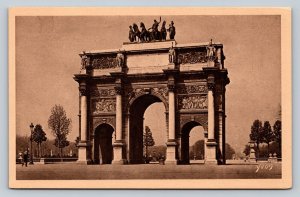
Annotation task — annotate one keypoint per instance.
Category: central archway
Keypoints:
(136, 126)
(103, 150)
(185, 143)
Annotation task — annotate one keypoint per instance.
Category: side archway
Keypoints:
(185, 141)
(103, 149)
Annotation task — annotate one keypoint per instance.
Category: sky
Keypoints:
(47, 58)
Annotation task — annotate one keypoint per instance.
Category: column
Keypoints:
(118, 144)
(205, 142)
(211, 142)
(171, 144)
(82, 146)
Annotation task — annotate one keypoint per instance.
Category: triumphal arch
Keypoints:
(117, 86)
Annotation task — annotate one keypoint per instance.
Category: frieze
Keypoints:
(192, 102)
(105, 62)
(192, 89)
(103, 92)
(192, 57)
(104, 105)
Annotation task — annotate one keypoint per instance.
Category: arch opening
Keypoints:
(138, 121)
(103, 149)
(192, 143)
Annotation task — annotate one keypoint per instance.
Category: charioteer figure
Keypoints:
(155, 33)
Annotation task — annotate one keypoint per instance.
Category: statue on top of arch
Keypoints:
(151, 34)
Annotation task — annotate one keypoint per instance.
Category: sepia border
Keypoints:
(286, 96)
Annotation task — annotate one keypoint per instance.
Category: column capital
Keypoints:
(83, 89)
(210, 82)
(171, 87)
(210, 86)
(118, 89)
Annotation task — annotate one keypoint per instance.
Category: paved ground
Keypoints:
(147, 171)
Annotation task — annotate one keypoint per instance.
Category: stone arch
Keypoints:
(185, 134)
(107, 120)
(160, 93)
(136, 125)
(103, 149)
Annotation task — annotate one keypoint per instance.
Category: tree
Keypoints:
(277, 135)
(39, 136)
(61, 143)
(229, 151)
(255, 135)
(267, 134)
(60, 126)
(197, 150)
(148, 139)
(247, 149)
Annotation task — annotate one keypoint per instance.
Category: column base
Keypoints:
(211, 162)
(82, 154)
(171, 152)
(211, 152)
(118, 156)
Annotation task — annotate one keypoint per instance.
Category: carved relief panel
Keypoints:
(103, 105)
(105, 62)
(192, 102)
(192, 57)
(192, 97)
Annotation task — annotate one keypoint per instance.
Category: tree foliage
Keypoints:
(148, 139)
(256, 133)
(197, 150)
(229, 151)
(60, 126)
(277, 134)
(38, 136)
(267, 133)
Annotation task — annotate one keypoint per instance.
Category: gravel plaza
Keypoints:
(72, 171)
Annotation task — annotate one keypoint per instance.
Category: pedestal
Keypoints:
(252, 157)
(171, 152)
(82, 156)
(211, 152)
(171, 66)
(118, 158)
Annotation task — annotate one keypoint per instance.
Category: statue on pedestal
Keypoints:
(171, 30)
(120, 59)
(172, 55)
(85, 61)
(210, 51)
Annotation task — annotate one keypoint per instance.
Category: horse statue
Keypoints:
(136, 32)
(145, 35)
